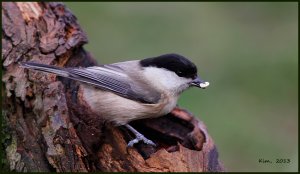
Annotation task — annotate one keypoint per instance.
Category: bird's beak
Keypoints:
(199, 83)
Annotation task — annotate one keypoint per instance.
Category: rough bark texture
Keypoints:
(46, 124)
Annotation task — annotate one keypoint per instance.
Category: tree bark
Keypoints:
(48, 127)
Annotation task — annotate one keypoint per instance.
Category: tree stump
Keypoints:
(46, 124)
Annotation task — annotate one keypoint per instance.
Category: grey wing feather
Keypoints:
(112, 78)
(103, 80)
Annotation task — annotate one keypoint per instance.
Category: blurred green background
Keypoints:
(247, 51)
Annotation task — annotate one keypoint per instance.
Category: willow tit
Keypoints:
(131, 90)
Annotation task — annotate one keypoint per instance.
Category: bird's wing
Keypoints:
(103, 78)
(106, 77)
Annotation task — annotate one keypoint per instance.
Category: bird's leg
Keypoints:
(139, 137)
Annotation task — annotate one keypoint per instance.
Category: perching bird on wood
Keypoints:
(132, 90)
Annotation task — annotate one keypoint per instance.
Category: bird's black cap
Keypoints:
(173, 62)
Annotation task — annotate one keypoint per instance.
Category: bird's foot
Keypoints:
(139, 137)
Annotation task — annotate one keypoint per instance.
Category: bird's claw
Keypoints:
(140, 138)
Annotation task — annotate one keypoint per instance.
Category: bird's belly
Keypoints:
(121, 110)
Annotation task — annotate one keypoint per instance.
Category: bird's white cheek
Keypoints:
(165, 80)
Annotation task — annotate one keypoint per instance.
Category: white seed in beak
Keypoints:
(204, 85)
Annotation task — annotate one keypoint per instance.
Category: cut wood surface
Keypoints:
(48, 127)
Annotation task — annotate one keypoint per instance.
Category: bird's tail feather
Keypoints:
(45, 68)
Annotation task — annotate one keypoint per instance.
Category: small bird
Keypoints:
(131, 90)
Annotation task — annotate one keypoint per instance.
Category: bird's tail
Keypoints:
(45, 68)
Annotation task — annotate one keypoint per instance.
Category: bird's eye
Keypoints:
(179, 73)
